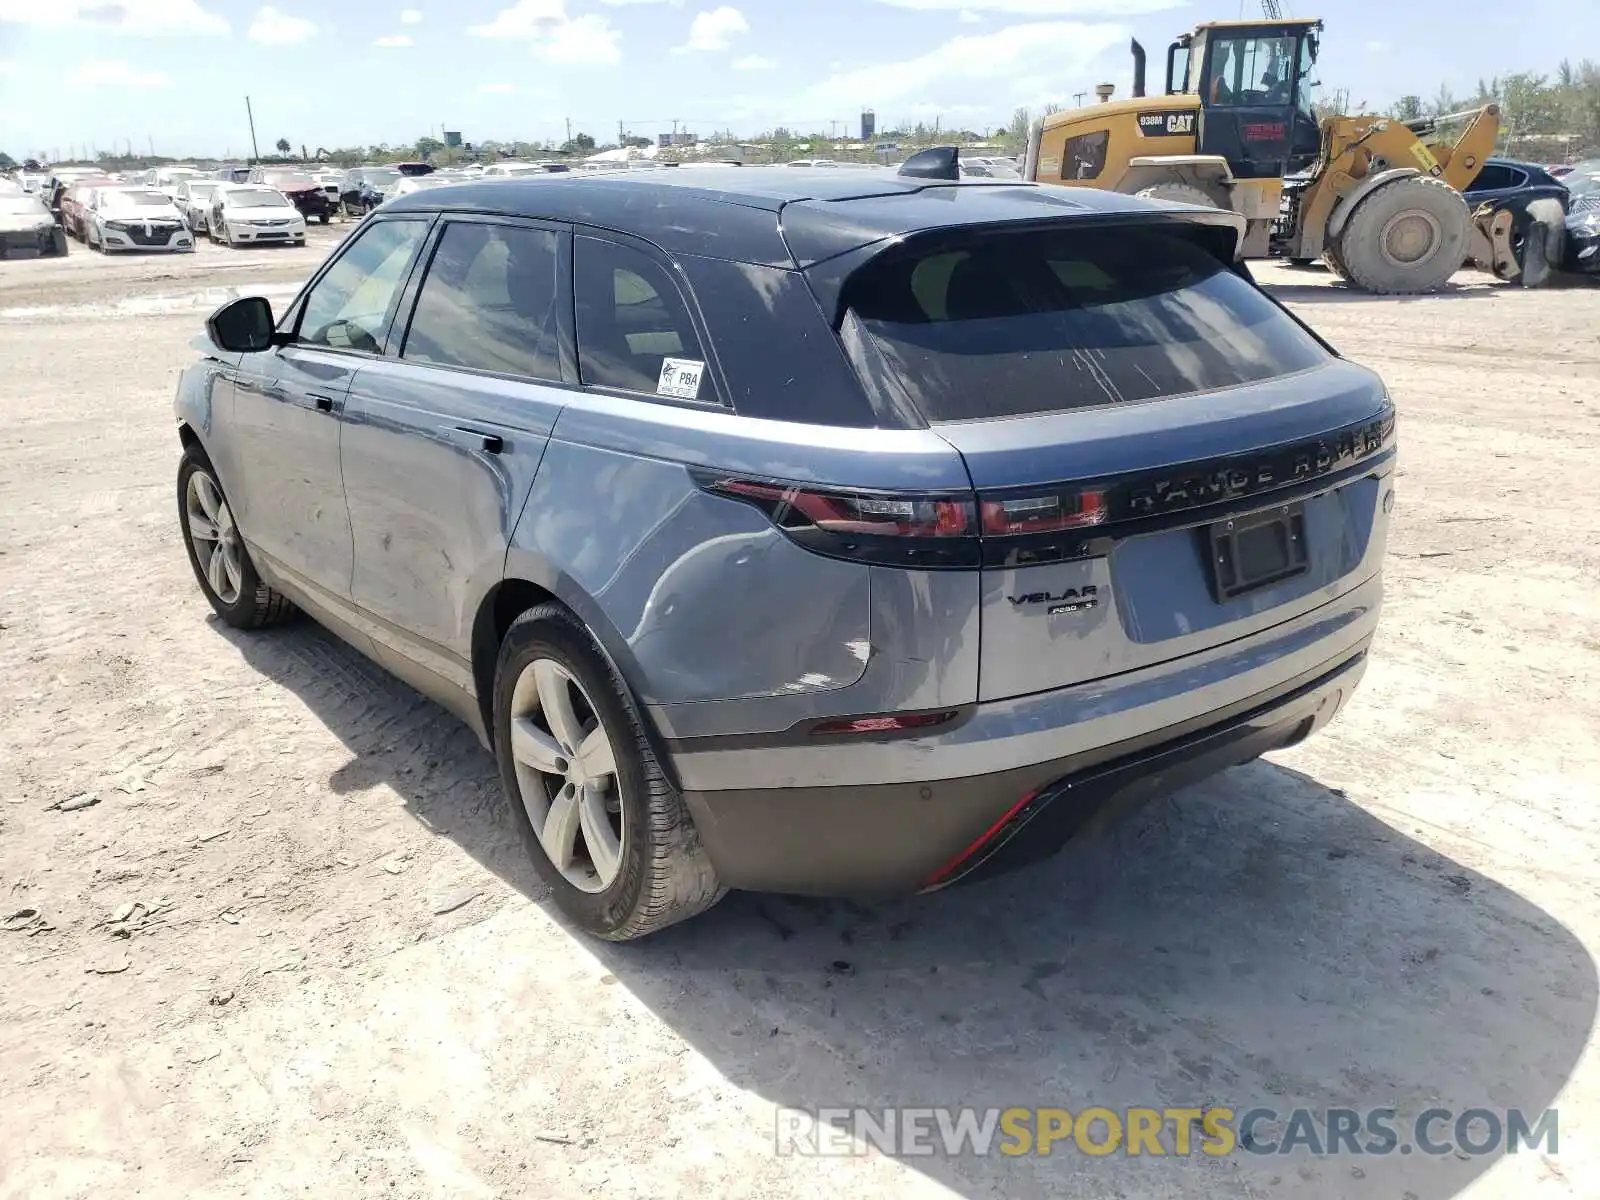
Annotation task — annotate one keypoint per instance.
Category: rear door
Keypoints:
(1165, 461)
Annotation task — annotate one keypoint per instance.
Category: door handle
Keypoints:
(491, 442)
(323, 403)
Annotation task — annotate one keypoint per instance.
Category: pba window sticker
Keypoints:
(680, 378)
(1165, 124)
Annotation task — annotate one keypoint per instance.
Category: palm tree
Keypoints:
(283, 146)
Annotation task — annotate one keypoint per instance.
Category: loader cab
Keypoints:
(1256, 82)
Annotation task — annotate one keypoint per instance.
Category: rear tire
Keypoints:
(1406, 238)
(647, 868)
(1175, 192)
(227, 577)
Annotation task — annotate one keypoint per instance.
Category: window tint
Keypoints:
(1045, 321)
(489, 302)
(348, 307)
(630, 317)
(1491, 177)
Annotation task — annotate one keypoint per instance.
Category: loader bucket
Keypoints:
(1520, 240)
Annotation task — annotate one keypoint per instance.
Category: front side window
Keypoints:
(1051, 320)
(489, 301)
(631, 318)
(348, 308)
(1250, 71)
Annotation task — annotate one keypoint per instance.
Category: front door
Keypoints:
(289, 407)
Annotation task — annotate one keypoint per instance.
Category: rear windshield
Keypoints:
(1052, 320)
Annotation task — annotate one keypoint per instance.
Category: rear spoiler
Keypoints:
(941, 162)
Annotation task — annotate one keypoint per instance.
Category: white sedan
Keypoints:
(134, 218)
(250, 214)
(194, 202)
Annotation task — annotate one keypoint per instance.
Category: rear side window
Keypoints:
(631, 318)
(489, 302)
(1045, 321)
(1085, 155)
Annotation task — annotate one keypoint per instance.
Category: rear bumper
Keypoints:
(28, 241)
(893, 839)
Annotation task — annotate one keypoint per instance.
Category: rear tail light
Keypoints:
(1048, 512)
(892, 529)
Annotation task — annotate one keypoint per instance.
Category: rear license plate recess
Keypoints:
(1257, 550)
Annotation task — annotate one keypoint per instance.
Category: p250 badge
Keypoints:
(1068, 600)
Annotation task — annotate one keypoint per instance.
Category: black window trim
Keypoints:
(288, 328)
(691, 305)
(411, 291)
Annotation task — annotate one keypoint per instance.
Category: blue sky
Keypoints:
(364, 71)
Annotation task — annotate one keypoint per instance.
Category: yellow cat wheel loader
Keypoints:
(1235, 129)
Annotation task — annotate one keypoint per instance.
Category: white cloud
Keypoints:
(393, 41)
(1021, 64)
(274, 28)
(410, 16)
(118, 16)
(107, 73)
(556, 37)
(1378, 47)
(754, 62)
(714, 30)
(967, 17)
(1041, 8)
(497, 89)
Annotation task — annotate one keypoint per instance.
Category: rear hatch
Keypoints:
(1165, 460)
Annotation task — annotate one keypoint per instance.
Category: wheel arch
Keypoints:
(1345, 205)
(528, 583)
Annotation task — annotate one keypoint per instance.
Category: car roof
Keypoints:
(779, 216)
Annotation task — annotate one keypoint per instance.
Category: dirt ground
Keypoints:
(292, 946)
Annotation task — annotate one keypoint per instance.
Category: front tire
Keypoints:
(1406, 238)
(604, 827)
(217, 551)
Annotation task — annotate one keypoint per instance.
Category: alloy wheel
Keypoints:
(214, 536)
(567, 775)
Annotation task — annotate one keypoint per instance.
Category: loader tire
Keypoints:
(1331, 259)
(1177, 193)
(1406, 238)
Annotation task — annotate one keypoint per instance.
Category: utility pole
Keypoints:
(1079, 97)
(255, 150)
(622, 136)
(569, 131)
